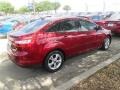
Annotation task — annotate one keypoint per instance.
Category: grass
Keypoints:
(106, 79)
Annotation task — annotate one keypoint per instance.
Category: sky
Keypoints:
(77, 5)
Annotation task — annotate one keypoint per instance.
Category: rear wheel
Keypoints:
(106, 43)
(54, 61)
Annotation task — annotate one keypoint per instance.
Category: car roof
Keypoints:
(59, 18)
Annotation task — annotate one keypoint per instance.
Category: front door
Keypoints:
(89, 29)
(71, 36)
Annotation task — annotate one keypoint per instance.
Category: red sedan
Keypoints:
(50, 41)
(113, 25)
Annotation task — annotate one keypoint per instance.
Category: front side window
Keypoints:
(88, 25)
(70, 25)
(55, 28)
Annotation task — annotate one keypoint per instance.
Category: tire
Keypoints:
(106, 43)
(54, 61)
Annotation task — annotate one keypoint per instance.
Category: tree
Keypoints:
(6, 7)
(39, 7)
(44, 6)
(67, 8)
(56, 6)
(23, 9)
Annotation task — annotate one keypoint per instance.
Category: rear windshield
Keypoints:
(31, 27)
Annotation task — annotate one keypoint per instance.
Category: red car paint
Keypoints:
(114, 26)
(31, 48)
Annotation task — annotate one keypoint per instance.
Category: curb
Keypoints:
(67, 85)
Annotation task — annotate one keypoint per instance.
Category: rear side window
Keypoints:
(34, 26)
(88, 25)
(67, 25)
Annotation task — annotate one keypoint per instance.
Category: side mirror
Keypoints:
(98, 28)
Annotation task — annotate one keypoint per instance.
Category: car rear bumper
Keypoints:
(23, 59)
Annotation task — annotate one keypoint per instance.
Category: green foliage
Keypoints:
(6, 7)
(23, 9)
(66, 8)
(41, 6)
(56, 5)
(46, 6)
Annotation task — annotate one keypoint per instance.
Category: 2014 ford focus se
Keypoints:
(50, 41)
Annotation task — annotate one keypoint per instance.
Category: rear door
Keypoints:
(65, 32)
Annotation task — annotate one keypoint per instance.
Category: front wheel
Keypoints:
(54, 61)
(106, 43)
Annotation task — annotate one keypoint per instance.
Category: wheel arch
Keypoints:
(56, 49)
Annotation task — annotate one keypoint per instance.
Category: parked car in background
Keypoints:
(50, 41)
(97, 17)
(84, 17)
(27, 20)
(112, 23)
(8, 25)
(23, 23)
(3, 18)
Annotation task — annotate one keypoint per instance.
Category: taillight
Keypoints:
(22, 45)
(23, 42)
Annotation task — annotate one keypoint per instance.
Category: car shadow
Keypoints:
(79, 57)
(9, 69)
(116, 35)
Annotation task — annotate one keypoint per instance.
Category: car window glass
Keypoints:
(88, 25)
(80, 27)
(77, 24)
(31, 27)
(70, 25)
(83, 28)
(55, 28)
